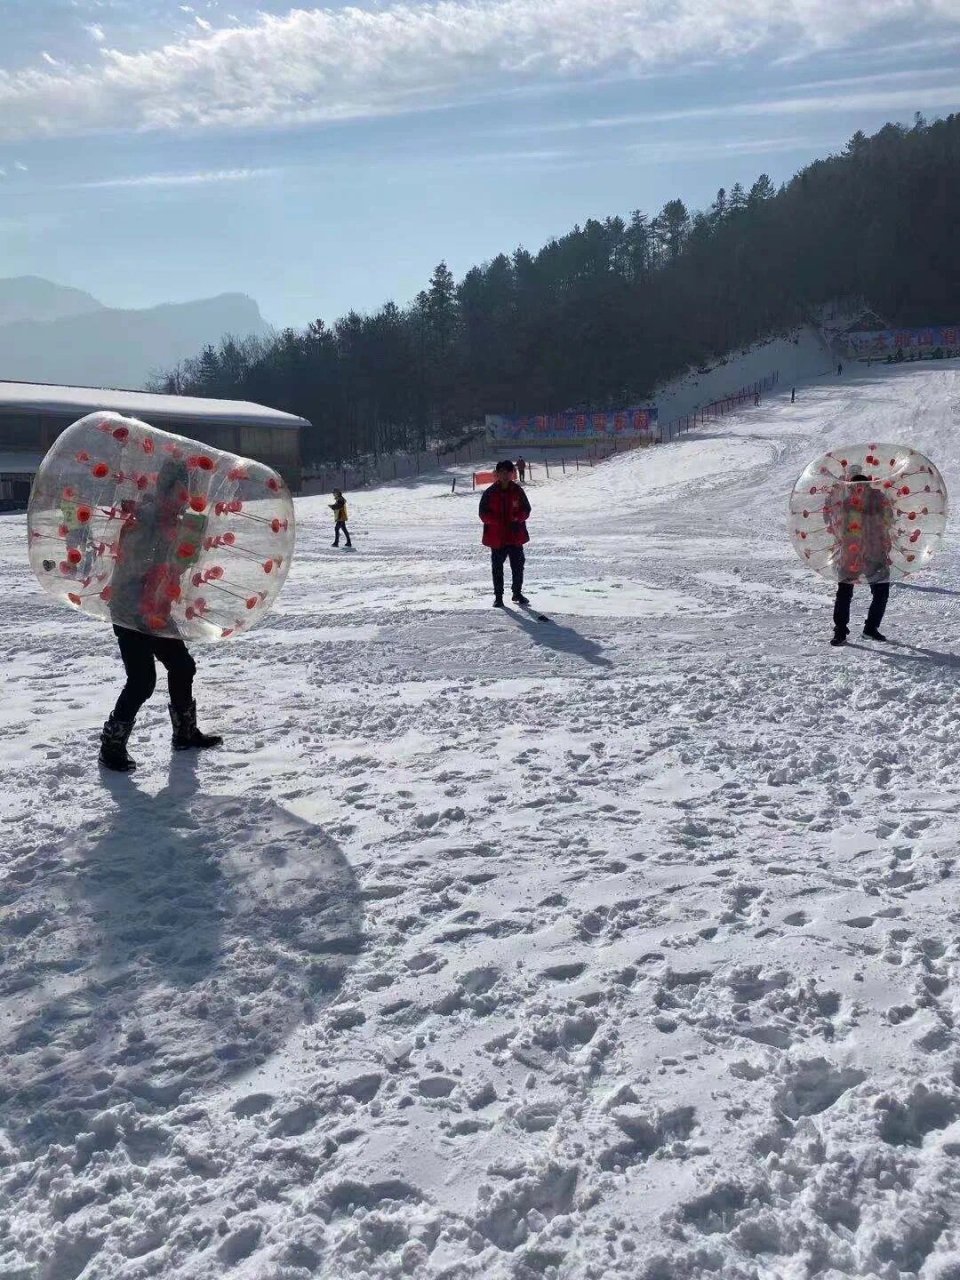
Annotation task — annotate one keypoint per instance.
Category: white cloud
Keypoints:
(96, 33)
(19, 165)
(322, 64)
(689, 150)
(49, 59)
(917, 98)
(201, 178)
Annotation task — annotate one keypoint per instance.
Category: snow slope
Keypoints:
(620, 945)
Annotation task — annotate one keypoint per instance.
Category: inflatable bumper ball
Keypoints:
(868, 513)
(157, 533)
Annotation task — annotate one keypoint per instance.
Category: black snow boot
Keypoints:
(839, 637)
(113, 746)
(520, 598)
(873, 634)
(498, 602)
(185, 731)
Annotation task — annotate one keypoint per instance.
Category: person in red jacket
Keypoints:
(504, 509)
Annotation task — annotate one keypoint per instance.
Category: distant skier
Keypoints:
(522, 469)
(861, 522)
(756, 399)
(793, 395)
(339, 508)
(504, 509)
(839, 369)
(144, 586)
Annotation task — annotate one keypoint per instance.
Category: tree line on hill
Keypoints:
(600, 316)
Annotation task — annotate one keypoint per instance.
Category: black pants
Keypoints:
(879, 591)
(140, 654)
(341, 525)
(498, 556)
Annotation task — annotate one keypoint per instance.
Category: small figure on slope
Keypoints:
(522, 469)
(862, 521)
(339, 508)
(504, 508)
(145, 585)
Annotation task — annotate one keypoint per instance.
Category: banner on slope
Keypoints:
(887, 342)
(573, 426)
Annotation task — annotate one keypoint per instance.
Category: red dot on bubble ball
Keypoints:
(84, 514)
(267, 566)
(229, 539)
(198, 503)
(106, 593)
(121, 433)
(74, 556)
(252, 602)
(101, 470)
(73, 597)
(274, 484)
(186, 550)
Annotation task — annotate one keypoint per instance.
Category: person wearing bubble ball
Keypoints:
(865, 546)
(144, 586)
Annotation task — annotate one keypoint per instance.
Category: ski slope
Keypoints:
(624, 944)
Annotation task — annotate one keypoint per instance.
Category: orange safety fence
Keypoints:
(483, 477)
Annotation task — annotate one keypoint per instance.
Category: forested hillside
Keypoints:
(601, 315)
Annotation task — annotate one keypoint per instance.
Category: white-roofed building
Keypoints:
(33, 414)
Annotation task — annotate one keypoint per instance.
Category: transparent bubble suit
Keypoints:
(158, 533)
(868, 513)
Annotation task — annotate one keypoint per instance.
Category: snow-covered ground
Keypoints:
(624, 944)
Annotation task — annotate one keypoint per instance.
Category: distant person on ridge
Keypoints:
(522, 469)
(793, 395)
(339, 508)
(862, 530)
(839, 369)
(504, 509)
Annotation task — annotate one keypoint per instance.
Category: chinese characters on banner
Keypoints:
(887, 342)
(574, 425)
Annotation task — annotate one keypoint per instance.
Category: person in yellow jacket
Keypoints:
(339, 508)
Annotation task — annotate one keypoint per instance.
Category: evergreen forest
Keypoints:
(598, 317)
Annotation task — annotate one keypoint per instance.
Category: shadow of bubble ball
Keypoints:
(174, 944)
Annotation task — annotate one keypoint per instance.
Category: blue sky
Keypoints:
(323, 158)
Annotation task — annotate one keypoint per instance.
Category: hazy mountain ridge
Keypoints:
(33, 298)
(49, 333)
